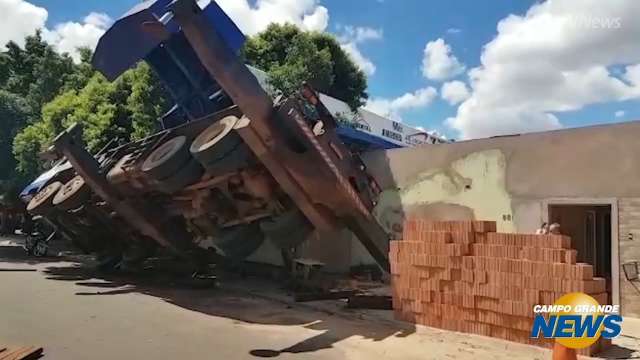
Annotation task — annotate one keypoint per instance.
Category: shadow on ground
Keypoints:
(228, 302)
(177, 289)
(619, 352)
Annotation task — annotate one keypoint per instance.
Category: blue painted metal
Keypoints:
(350, 135)
(195, 93)
(43, 179)
(126, 43)
(172, 58)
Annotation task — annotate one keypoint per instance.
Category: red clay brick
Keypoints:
(484, 226)
(544, 241)
(463, 237)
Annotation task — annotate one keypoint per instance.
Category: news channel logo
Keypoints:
(576, 320)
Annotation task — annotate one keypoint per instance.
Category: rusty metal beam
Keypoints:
(246, 92)
(138, 217)
(335, 201)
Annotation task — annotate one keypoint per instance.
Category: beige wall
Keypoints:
(512, 180)
(629, 237)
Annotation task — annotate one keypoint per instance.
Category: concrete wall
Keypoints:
(513, 179)
(629, 238)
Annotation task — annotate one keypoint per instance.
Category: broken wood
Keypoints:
(376, 302)
(325, 295)
(21, 353)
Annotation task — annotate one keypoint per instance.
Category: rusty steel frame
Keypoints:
(316, 180)
(140, 217)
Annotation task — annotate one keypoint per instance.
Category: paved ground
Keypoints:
(76, 314)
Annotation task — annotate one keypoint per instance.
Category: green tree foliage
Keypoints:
(126, 109)
(291, 57)
(13, 114)
(43, 92)
(81, 74)
(147, 102)
(30, 76)
(36, 72)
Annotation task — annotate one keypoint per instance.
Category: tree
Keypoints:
(126, 109)
(82, 72)
(30, 76)
(36, 72)
(291, 57)
(13, 114)
(147, 102)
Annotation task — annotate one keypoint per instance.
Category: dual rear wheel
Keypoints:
(217, 150)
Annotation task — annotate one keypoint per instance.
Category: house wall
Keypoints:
(512, 180)
(629, 238)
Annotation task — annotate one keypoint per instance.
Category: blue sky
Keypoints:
(403, 29)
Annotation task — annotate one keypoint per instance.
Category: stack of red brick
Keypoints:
(464, 276)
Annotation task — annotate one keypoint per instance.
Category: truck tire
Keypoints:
(287, 230)
(72, 194)
(43, 200)
(240, 241)
(167, 158)
(187, 175)
(219, 148)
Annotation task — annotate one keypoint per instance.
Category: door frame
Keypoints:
(615, 256)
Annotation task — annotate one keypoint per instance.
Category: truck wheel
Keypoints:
(183, 177)
(240, 241)
(287, 230)
(43, 200)
(167, 158)
(72, 195)
(219, 148)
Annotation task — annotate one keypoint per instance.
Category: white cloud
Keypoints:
(349, 40)
(453, 31)
(359, 34)
(67, 37)
(555, 58)
(392, 108)
(454, 92)
(253, 18)
(18, 19)
(363, 63)
(317, 20)
(619, 113)
(632, 74)
(438, 62)
(100, 20)
(435, 133)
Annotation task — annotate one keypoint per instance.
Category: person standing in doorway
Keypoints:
(544, 229)
(554, 229)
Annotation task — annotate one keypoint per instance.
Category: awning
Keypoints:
(349, 135)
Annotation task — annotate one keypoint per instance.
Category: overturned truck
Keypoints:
(231, 167)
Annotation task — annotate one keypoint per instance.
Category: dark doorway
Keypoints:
(590, 229)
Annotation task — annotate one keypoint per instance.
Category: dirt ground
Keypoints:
(76, 313)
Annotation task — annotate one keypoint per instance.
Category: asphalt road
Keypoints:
(75, 313)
